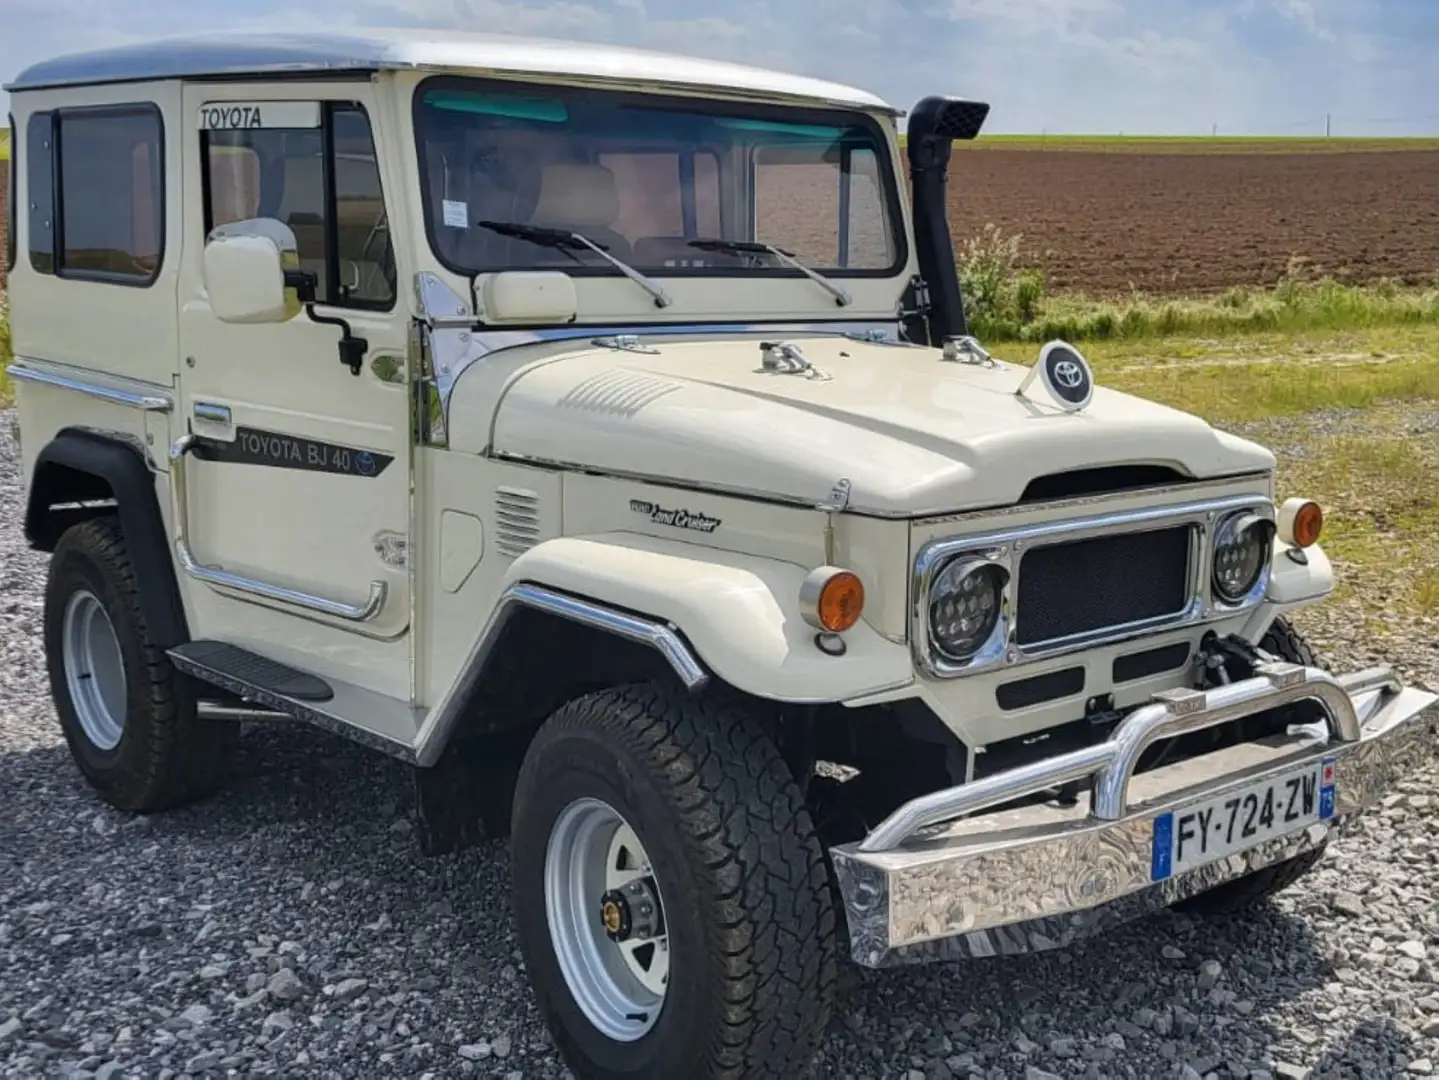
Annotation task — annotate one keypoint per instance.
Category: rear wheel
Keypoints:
(127, 714)
(672, 897)
(1285, 643)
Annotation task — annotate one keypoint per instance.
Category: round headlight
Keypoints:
(964, 606)
(1242, 546)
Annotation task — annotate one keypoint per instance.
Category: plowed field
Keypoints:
(1184, 222)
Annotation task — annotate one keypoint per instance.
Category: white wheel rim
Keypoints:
(94, 670)
(594, 865)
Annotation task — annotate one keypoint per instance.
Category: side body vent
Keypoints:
(517, 520)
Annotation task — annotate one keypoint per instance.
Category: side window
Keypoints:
(11, 170)
(324, 183)
(97, 193)
(111, 195)
(39, 159)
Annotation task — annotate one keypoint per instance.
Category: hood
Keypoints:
(913, 434)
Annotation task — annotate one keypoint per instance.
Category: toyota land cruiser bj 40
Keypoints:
(600, 433)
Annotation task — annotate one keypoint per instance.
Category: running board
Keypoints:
(380, 722)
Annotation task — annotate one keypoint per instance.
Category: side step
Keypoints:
(380, 722)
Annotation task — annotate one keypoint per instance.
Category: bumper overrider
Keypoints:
(936, 880)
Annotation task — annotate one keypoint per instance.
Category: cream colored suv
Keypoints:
(600, 433)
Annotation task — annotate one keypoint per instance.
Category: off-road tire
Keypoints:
(166, 755)
(747, 895)
(1286, 643)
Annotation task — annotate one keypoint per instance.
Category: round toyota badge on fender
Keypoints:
(1065, 373)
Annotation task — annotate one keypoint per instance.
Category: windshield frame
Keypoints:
(797, 113)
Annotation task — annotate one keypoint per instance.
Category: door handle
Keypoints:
(212, 413)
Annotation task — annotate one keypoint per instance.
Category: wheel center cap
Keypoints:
(615, 915)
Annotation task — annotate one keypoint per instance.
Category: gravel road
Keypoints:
(289, 927)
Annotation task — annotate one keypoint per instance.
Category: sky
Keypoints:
(1102, 66)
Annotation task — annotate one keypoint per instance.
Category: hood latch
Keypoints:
(785, 358)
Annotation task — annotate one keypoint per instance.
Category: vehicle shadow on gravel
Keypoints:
(309, 860)
(1148, 999)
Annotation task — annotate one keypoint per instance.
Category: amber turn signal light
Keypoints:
(1300, 522)
(831, 599)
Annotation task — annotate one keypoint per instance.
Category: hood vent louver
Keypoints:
(517, 520)
(618, 392)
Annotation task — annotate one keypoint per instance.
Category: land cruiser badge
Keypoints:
(679, 519)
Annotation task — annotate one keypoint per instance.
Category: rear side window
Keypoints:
(97, 194)
(39, 161)
(111, 203)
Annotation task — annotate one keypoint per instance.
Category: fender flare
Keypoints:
(707, 611)
(123, 467)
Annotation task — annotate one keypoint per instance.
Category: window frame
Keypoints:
(57, 119)
(801, 113)
(328, 108)
(12, 191)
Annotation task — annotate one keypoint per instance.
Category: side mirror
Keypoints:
(247, 266)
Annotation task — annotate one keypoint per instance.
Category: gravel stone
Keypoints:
(350, 989)
(1347, 903)
(1209, 973)
(293, 879)
(285, 985)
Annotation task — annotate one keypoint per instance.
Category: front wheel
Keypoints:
(672, 896)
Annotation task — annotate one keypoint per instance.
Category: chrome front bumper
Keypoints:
(936, 880)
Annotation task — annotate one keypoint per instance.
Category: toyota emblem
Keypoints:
(1068, 373)
(1065, 374)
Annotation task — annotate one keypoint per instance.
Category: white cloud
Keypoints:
(1034, 15)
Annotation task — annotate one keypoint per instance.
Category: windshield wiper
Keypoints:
(754, 247)
(573, 241)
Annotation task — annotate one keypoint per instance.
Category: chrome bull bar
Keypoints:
(938, 880)
(1110, 764)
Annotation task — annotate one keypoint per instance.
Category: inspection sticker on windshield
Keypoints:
(1205, 831)
(457, 214)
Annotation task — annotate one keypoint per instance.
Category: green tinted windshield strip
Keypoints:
(808, 131)
(515, 108)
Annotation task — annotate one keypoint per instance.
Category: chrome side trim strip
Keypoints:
(211, 710)
(254, 590)
(1111, 764)
(435, 733)
(22, 372)
(1007, 548)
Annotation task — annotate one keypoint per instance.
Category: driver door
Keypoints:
(300, 479)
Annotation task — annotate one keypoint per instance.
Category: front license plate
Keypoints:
(1204, 831)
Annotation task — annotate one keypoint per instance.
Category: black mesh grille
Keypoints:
(1088, 585)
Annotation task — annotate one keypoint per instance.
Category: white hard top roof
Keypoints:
(231, 54)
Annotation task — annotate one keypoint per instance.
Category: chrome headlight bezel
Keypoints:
(1235, 524)
(996, 632)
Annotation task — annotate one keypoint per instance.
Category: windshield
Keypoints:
(644, 176)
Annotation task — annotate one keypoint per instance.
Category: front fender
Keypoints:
(739, 613)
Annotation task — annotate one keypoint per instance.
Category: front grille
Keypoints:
(1102, 582)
